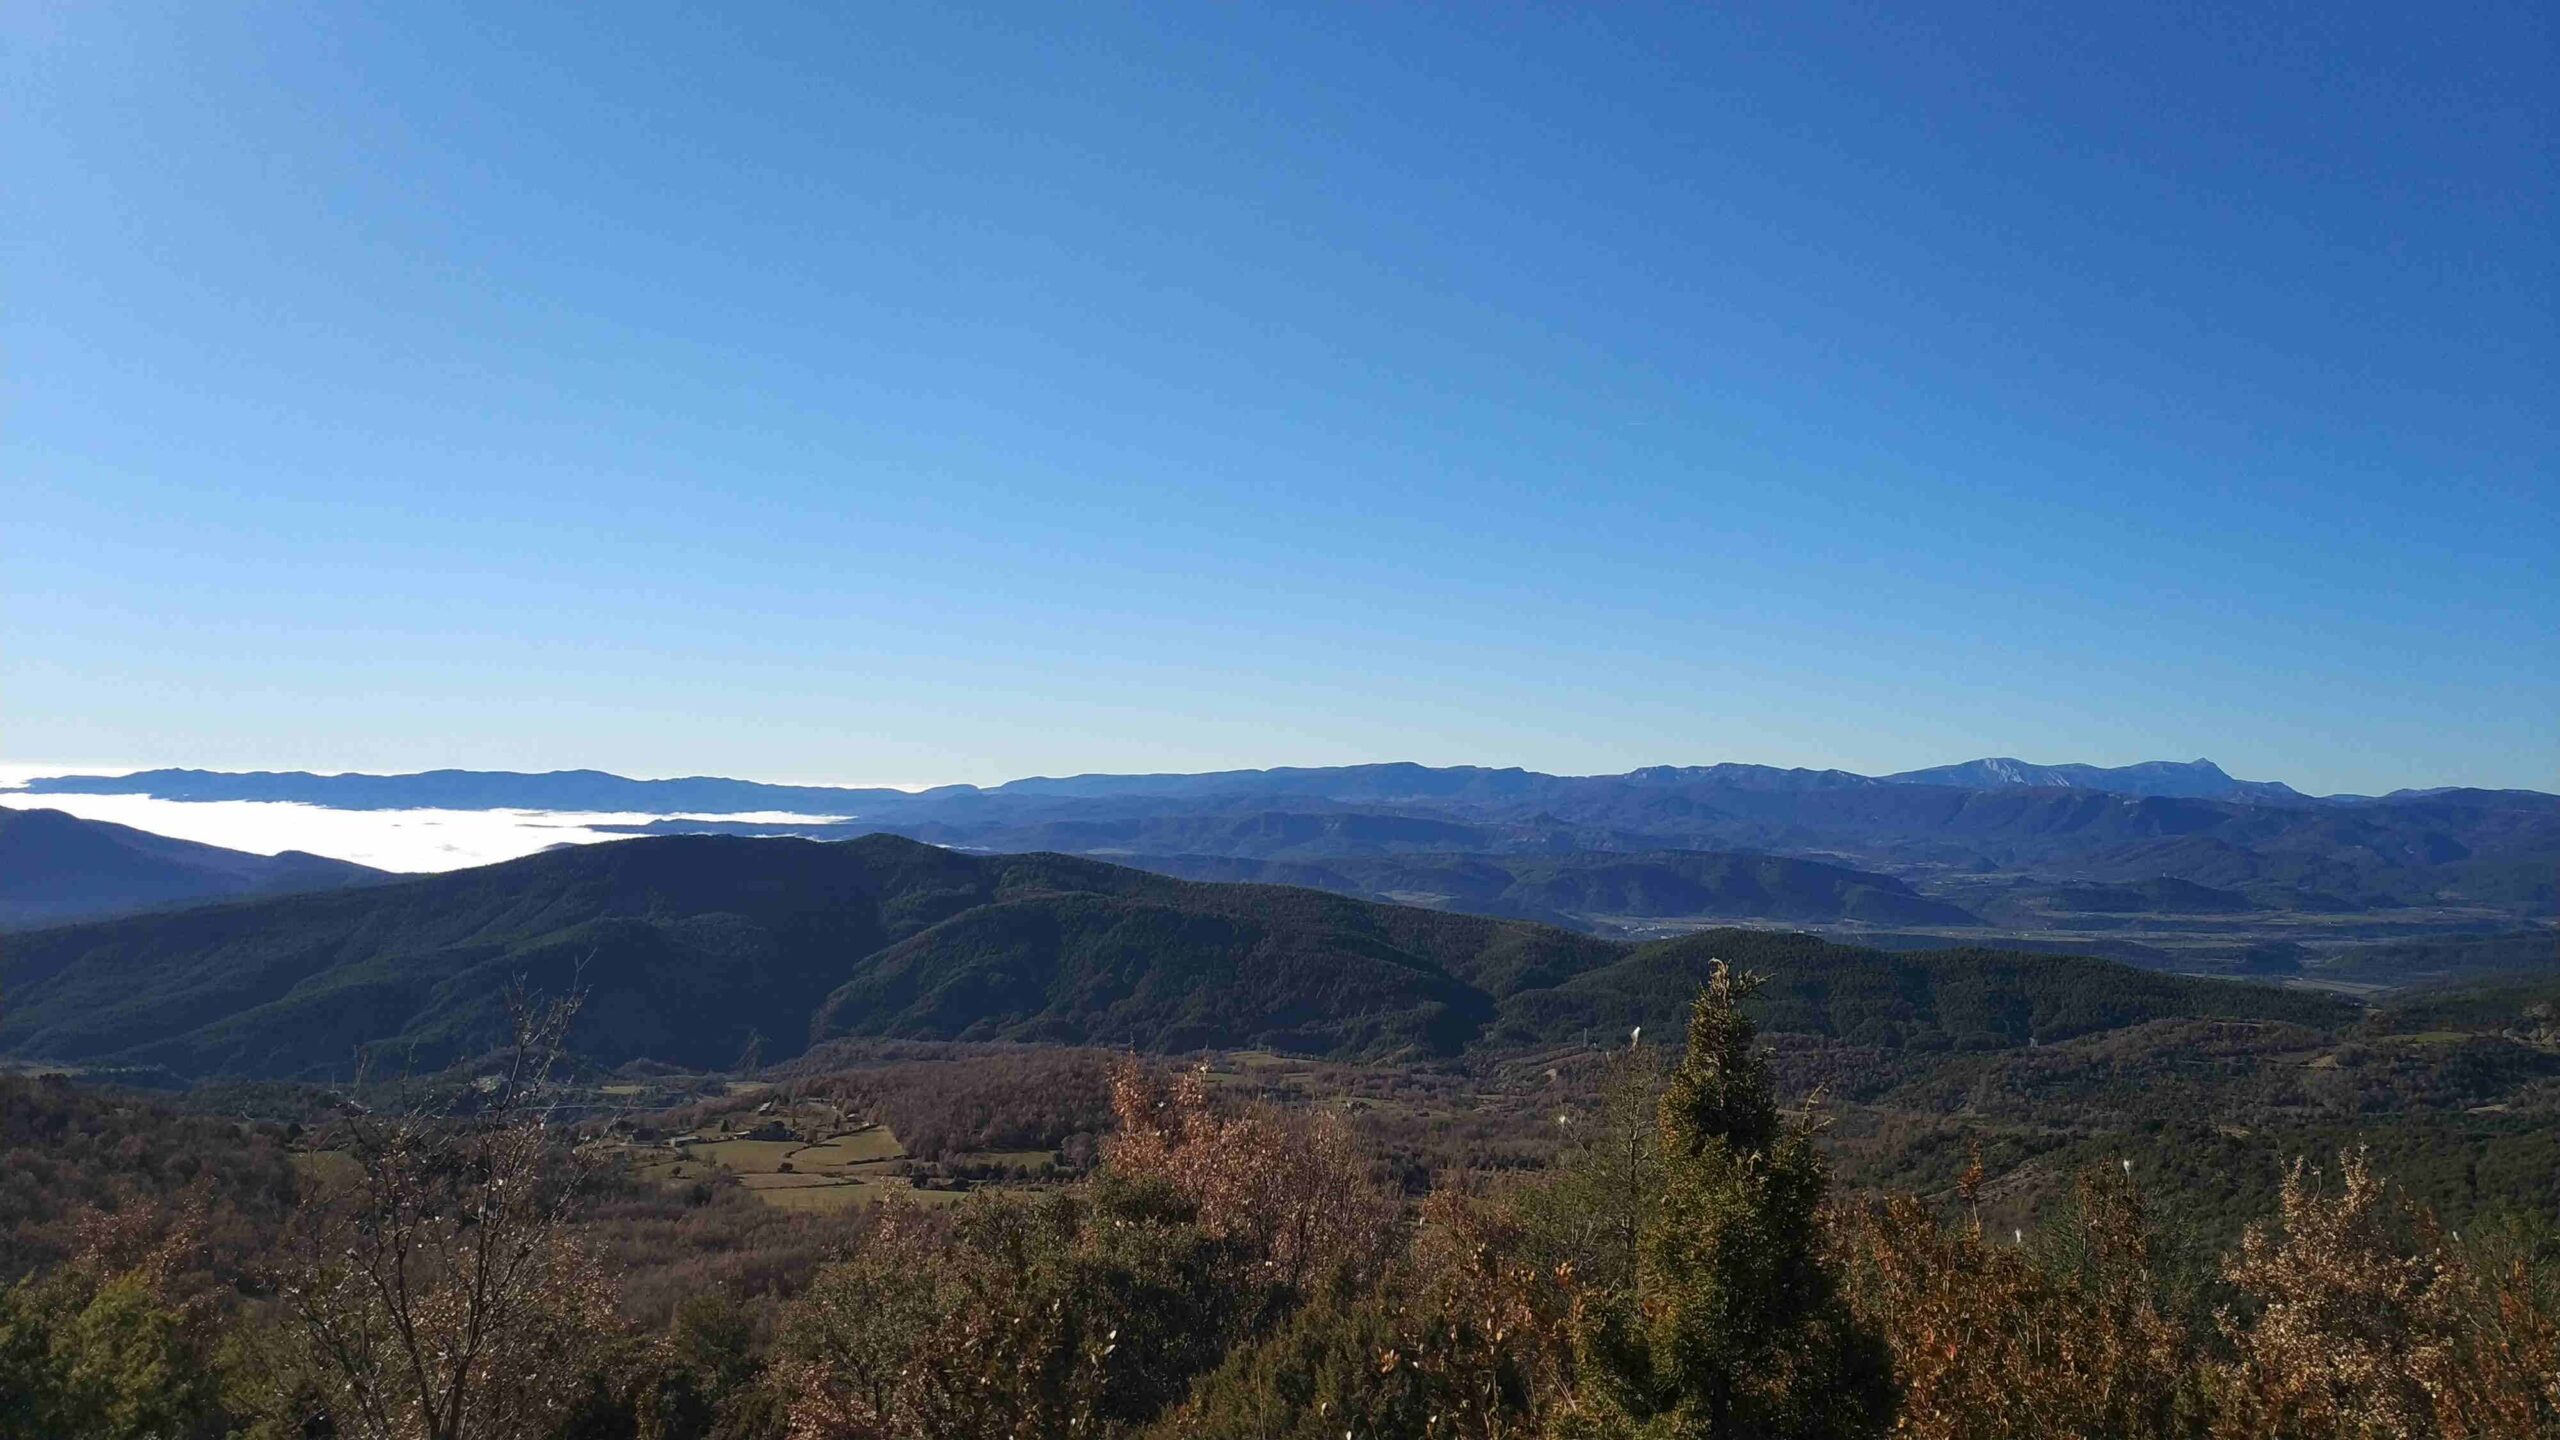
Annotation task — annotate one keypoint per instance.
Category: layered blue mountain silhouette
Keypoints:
(2258, 843)
(56, 867)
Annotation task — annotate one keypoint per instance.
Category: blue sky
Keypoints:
(893, 393)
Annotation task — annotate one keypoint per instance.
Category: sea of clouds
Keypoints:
(407, 840)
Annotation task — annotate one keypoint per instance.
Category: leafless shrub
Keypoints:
(442, 1293)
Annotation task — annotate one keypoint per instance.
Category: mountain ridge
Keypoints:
(694, 949)
(2461, 849)
(2190, 779)
(56, 868)
(1372, 783)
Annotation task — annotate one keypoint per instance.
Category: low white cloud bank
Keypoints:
(412, 840)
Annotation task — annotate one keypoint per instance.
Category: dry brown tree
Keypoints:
(1488, 1328)
(1989, 1343)
(1292, 1189)
(2371, 1324)
(2498, 1377)
(928, 1329)
(440, 1292)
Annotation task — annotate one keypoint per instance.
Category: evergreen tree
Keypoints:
(100, 1356)
(1734, 1326)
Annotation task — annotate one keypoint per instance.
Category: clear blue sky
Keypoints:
(895, 393)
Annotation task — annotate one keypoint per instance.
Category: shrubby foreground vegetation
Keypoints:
(1685, 1268)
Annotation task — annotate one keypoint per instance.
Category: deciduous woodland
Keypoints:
(1676, 1253)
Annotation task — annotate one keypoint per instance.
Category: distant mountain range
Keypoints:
(692, 949)
(1384, 784)
(56, 868)
(2482, 848)
(592, 790)
(2265, 844)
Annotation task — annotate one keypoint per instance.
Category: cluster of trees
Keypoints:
(942, 1102)
(71, 1152)
(1685, 1269)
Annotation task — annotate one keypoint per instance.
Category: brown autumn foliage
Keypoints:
(942, 1100)
(665, 1246)
(920, 1333)
(2501, 1379)
(1464, 1338)
(1237, 1270)
(68, 1151)
(1988, 1342)
(1085, 1311)
(1293, 1189)
(2353, 1317)
(2370, 1322)
(1487, 1327)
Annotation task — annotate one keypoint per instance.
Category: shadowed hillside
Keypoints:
(56, 867)
(1929, 1000)
(692, 949)
(1564, 888)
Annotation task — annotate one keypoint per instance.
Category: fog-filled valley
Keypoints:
(2169, 866)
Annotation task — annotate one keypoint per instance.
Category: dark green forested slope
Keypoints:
(692, 948)
(686, 948)
(2525, 1003)
(1969, 999)
(1093, 953)
(1539, 887)
(2454, 1092)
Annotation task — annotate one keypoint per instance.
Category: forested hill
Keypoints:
(1566, 889)
(694, 948)
(1972, 999)
(56, 868)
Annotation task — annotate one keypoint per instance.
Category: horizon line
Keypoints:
(15, 776)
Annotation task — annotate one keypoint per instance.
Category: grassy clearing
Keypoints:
(793, 1181)
(327, 1168)
(875, 1143)
(836, 1198)
(747, 1157)
(832, 1162)
(1026, 1159)
(843, 1170)
(821, 1199)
